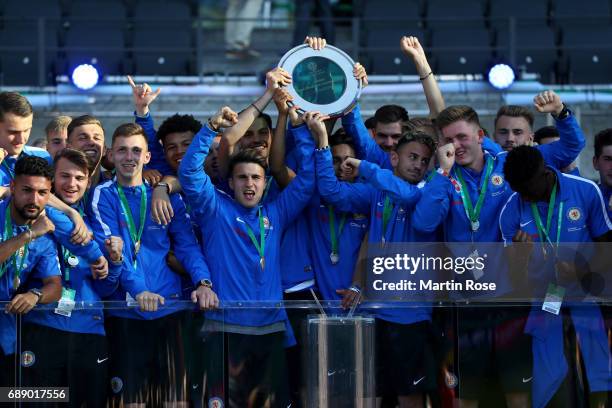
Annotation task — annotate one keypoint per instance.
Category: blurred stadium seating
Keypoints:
(561, 40)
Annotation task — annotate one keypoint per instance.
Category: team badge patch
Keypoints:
(497, 180)
(28, 358)
(116, 384)
(215, 402)
(574, 214)
(451, 380)
(266, 222)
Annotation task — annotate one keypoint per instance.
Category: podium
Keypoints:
(340, 362)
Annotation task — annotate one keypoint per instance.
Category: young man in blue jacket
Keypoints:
(122, 207)
(27, 252)
(242, 237)
(79, 352)
(405, 366)
(557, 218)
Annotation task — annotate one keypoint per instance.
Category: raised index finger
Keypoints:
(131, 81)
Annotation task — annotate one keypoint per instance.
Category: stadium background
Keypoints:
(178, 44)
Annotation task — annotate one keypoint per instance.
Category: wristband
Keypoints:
(322, 149)
(426, 76)
(164, 184)
(210, 125)
(256, 108)
(355, 289)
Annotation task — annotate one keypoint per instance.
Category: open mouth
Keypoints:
(249, 195)
(128, 166)
(91, 152)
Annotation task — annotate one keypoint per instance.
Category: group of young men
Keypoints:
(236, 212)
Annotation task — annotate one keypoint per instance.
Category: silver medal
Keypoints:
(16, 282)
(475, 225)
(73, 260)
(334, 257)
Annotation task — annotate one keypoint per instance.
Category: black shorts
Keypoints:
(8, 369)
(56, 358)
(493, 350)
(405, 360)
(147, 360)
(253, 372)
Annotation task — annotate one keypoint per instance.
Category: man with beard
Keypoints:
(405, 366)
(26, 253)
(514, 127)
(78, 352)
(86, 134)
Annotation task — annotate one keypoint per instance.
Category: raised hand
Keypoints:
(277, 78)
(548, 102)
(143, 96)
(446, 156)
(360, 74)
(314, 121)
(225, 117)
(316, 43)
(281, 99)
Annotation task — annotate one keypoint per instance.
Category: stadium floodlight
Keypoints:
(501, 76)
(85, 76)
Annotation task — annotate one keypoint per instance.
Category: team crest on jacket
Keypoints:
(497, 179)
(574, 214)
(28, 358)
(215, 402)
(266, 222)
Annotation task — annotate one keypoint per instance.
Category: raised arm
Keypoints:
(278, 167)
(274, 79)
(366, 148)
(413, 49)
(197, 185)
(298, 193)
(564, 151)
(143, 96)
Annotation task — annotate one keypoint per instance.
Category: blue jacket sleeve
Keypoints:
(158, 158)
(366, 147)
(564, 151)
(63, 231)
(298, 193)
(400, 191)
(346, 197)
(510, 219)
(197, 186)
(107, 286)
(104, 224)
(489, 145)
(433, 206)
(185, 245)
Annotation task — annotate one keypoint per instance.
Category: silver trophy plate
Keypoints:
(322, 79)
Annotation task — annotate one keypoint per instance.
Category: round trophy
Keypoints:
(322, 79)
